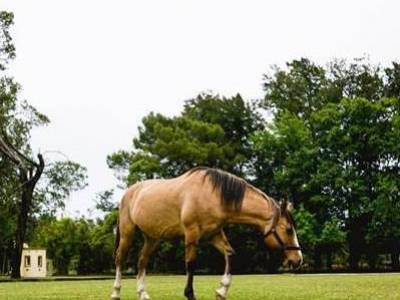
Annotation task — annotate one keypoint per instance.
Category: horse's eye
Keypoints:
(289, 231)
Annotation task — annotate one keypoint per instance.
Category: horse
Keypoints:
(194, 206)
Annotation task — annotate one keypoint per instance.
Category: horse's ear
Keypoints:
(289, 206)
(284, 205)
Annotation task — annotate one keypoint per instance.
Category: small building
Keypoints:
(33, 262)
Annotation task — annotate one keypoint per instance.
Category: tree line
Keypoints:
(323, 136)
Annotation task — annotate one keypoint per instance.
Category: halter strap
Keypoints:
(281, 243)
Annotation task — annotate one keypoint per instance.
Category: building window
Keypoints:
(27, 261)
(39, 261)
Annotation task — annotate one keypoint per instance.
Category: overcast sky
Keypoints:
(97, 67)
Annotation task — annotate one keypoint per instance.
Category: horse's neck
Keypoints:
(256, 211)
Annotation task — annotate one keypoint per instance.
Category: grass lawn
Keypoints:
(244, 287)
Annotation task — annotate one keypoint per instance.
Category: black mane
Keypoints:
(230, 187)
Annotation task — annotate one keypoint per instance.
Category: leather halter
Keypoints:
(281, 243)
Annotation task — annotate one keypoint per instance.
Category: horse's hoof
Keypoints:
(115, 297)
(144, 296)
(218, 296)
(190, 296)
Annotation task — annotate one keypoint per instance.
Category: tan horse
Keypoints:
(196, 206)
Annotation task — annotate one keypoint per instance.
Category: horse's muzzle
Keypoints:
(294, 264)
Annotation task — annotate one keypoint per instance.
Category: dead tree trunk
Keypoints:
(30, 178)
(29, 175)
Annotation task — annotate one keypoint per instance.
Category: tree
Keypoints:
(305, 87)
(7, 48)
(348, 112)
(21, 172)
(103, 201)
(239, 120)
(97, 257)
(64, 239)
(211, 131)
(301, 89)
(359, 162)
(286, 159)
(13, 136)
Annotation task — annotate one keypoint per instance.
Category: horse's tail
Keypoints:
(116, 243)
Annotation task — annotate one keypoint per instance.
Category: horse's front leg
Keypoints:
(220, 242)
(191, 243)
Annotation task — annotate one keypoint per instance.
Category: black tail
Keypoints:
(116, 243)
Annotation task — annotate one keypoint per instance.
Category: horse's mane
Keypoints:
(230, 187)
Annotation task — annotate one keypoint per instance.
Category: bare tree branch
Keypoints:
(17, 154)
(5, 149)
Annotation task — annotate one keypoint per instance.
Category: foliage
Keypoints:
(87, 243)
(7, 48)
(211, 131)
(63, 240)
(301, 89)
(307, 228)
(98, 256)
(103, 201)
(347, 114)
(60, 180)
(359, 160)
(284, 157)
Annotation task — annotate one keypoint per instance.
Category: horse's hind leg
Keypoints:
(220, 242)
(148, 248)
(125, 232)
(192, 236)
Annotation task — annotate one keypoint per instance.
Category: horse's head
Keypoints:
(282, 236)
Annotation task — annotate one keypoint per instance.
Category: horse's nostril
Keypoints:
(290, 263)
(294, 264)
(297, 264)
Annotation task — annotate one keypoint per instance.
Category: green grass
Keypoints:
(249, 287)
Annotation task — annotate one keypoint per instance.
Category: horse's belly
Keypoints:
(159, 228)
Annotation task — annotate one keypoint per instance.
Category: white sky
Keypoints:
(97, 67)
